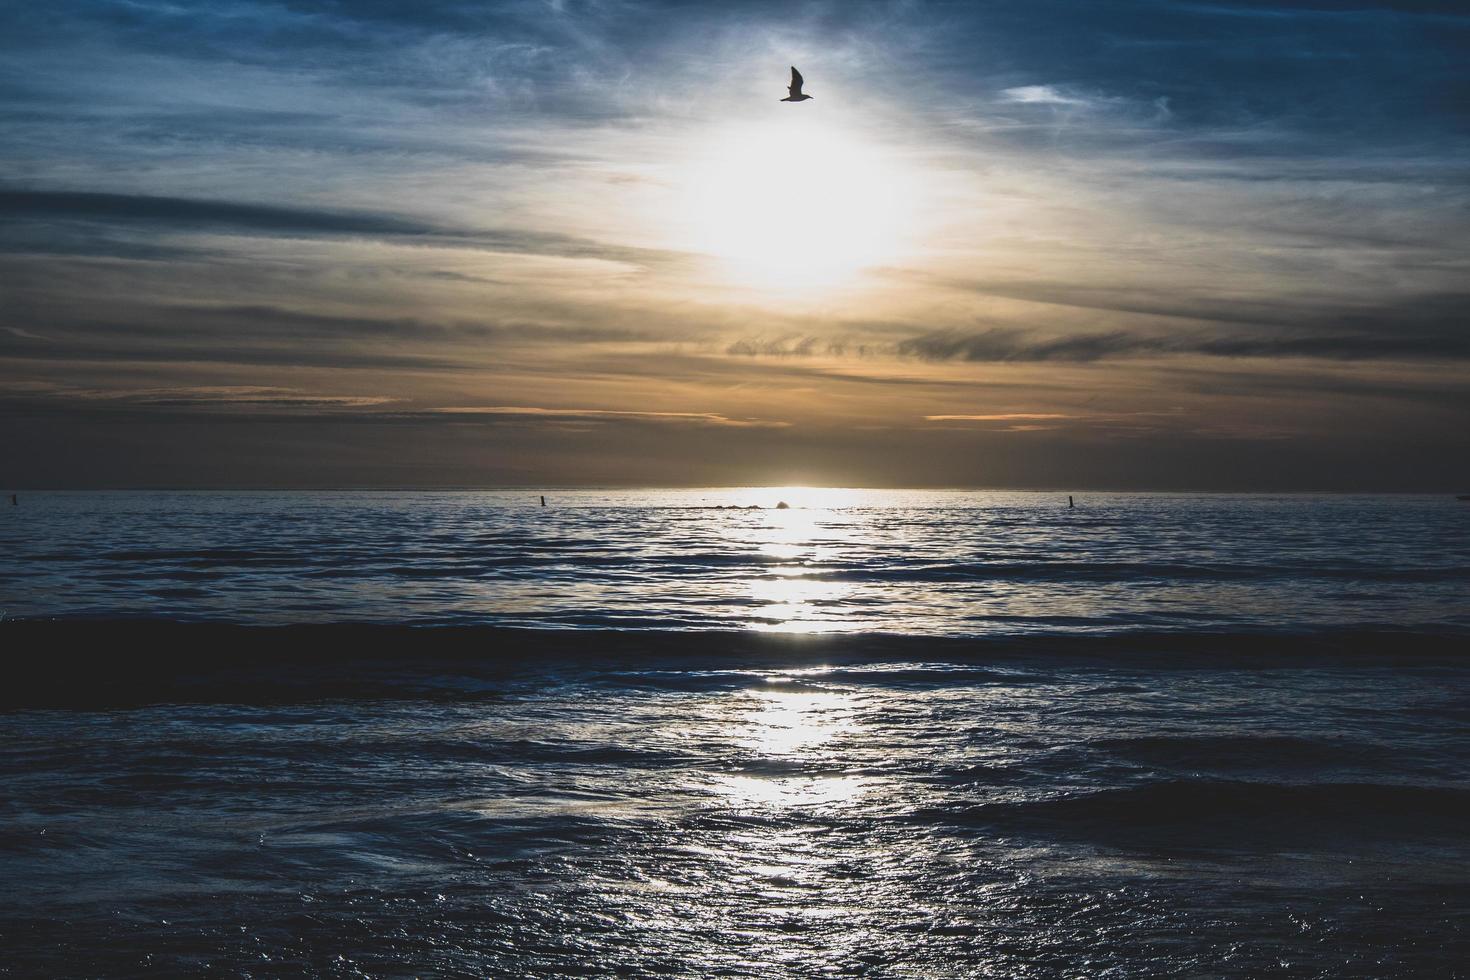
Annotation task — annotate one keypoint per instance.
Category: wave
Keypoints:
(1243, 752)
(1105, 571)
(79, 662)
(588, 557)
(1214, 812)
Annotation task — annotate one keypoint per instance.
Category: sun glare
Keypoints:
(793, 205)
(790, 600)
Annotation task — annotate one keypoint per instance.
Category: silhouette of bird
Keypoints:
(795, 88)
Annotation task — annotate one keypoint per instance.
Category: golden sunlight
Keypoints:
(794, 204)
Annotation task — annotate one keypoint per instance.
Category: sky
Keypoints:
(1101, 244)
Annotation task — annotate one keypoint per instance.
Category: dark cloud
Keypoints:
(1445, 392)
(274, 336)
(1000, 344)
(1432, 310)
(206, 396)
(265, 322)
(252, 403)
(202, 215)
(1425, 326)
(30, 349)
(50, 208)
(523, 414)
(785, 346)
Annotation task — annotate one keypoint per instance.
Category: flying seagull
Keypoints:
(795, 88)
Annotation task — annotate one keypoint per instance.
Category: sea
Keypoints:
(734, 732)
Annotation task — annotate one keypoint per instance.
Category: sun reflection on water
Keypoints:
(793, 791)
(785, 727)
(799, 605)
(801, 537)
(787, 722)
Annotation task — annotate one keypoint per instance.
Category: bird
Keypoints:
(795, 88)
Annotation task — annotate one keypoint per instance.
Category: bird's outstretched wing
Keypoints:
(795, 87)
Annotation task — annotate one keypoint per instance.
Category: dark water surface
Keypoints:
(1174, 736)
(930, 562)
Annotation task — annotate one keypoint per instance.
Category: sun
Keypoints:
(794, 204)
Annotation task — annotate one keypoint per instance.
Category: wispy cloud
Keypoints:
(1004, 417)
(51, 208)
(232, 396)
(1044, 95)
(1000, 344)
(197, 396)
(600, 415)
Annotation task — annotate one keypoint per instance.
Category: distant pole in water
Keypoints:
(543, 501)
(1070, 504)
(14, 500)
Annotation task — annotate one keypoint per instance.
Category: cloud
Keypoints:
(602, 415)
(802, 346)
(196, 396)
(1006, 344)
(284, 404)
(1043, 95)
(265, 396)
(1301, 309)
(210, 215)
(52, 208)
(201, 351)
(1006, 417)
(264, 321)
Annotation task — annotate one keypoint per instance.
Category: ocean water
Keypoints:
(933, 563)
(874, 735)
